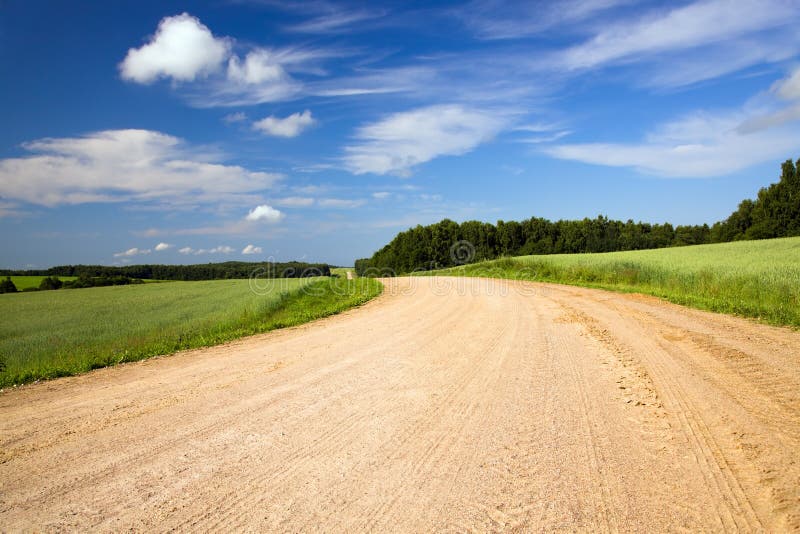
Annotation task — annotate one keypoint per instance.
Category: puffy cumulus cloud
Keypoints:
(124, 165)
(259, 66)
(261, 77)
(250, 249)
(264, 213)
(162, 246)
(132, 252)
(291, 126)
(186, 250)
(182, 49)
(402, 140)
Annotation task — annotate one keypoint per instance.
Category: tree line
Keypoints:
(208, 271)
(774, 213)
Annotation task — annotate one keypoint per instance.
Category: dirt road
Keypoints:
(445, 404)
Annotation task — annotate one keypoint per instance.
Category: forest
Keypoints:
(207, 271)
(774, 213)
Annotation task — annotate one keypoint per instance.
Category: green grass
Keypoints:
(57, 333)
(23, 282)
(342, 271)
(759, 279)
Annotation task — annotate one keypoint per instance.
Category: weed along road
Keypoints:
(446, 403)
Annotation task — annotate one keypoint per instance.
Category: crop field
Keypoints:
(24, 282)
(57, 333)
(759, 279)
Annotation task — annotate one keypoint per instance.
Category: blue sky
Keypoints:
(188, 132)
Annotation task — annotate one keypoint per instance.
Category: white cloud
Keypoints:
(697, 145)
(124, 165)
(182, 49)
(340, 203)
(399, 142)
(261, 77)
(684, 27)
(290, 126)
(789, 88)
(502, 19)
(9, 209)
(232, 118)
(381, 195)
(222, 249)
(264, 213)
(132, 252)
(294, 202)
(162, 246)
(546, 138)
(250, 249)
(334, 21)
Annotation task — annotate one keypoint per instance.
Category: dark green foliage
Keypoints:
(50, 282)
(208, 271)
(775, 213)
(429, 247)
(7, 286)
(100, 281)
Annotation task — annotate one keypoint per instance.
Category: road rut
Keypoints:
(445, 404)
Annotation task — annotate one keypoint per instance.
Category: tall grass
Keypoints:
(56, 333)
(759, 279)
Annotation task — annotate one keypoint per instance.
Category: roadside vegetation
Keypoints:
(59, 333)
(759, 279)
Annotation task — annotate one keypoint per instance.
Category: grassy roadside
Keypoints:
(58, 333)
(758, 279)
(342, 271)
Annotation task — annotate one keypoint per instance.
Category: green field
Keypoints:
(759, 279)
(342, 271)
(23, 282)
(56, 333)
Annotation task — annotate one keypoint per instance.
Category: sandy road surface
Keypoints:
(445, 404)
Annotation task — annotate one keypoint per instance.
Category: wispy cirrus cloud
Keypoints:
(695, 146)
(341, 203)
(125, 165)
(702, 144)
(503, 19)
(294, 202)
(681, 28)
(335, 19)
(693, 42)
(399, 142)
